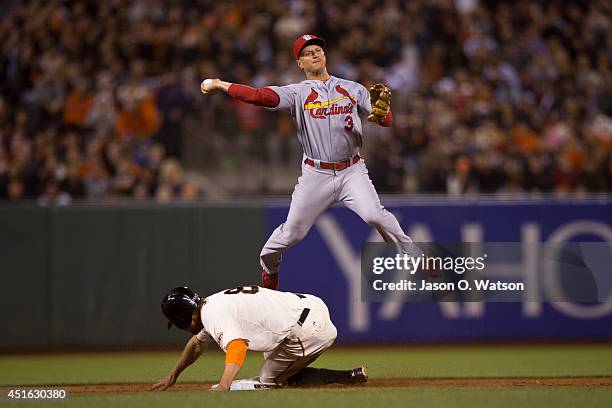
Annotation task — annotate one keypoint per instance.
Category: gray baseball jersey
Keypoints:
(326, 114)
(327, 117)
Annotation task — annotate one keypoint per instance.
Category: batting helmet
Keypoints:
(178, 306)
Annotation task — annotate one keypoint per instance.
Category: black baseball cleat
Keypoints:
(359, 375)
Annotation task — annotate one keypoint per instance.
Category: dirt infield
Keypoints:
(376, 383)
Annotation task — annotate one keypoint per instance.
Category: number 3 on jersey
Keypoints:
(249, 290)
(349, 123)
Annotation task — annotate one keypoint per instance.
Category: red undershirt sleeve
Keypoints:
(387, 120)
(255, 96)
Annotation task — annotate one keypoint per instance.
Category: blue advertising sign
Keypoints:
(327, 264)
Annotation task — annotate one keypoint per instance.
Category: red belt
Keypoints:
(341, 165)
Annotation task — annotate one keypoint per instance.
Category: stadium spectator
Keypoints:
(489, 97)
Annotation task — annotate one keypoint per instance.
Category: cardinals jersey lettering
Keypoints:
(261, 316)
(326, 115)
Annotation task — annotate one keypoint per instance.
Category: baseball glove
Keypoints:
(380, 98)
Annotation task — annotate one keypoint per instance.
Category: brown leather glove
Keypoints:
(380, 98)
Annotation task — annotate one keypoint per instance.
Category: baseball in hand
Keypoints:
(205, 87)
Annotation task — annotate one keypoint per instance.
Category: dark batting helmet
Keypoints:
(178, 306)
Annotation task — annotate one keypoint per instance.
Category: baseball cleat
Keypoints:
(269, 280)
(359, 375)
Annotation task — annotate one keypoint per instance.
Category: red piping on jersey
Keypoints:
(255, 96)
(387, 120)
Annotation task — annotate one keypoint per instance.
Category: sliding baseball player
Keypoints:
(291, 329)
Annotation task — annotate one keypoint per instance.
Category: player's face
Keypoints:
(312, 59)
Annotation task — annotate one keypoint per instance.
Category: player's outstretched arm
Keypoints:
(230, 372)
(234, 359)
(192, 351)
(255, 96)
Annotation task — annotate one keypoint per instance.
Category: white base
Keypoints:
(248, 385)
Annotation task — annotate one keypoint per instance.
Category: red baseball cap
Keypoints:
(304, 41)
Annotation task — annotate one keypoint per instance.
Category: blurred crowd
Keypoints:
(501, 97)
(99, 99)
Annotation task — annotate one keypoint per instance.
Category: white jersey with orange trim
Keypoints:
(327, 116)
(261, 316)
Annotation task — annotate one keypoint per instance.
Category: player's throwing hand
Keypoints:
(211, 86)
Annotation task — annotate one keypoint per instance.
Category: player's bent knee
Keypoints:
(374, 219)
(294, 235)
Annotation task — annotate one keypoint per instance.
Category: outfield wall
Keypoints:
(93, 276)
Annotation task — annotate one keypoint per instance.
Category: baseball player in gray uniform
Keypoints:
(291, 329)
(326, 111)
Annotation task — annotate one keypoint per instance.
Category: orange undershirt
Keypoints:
(236, 352)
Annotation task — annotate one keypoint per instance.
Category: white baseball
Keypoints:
(207, 82)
